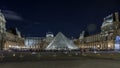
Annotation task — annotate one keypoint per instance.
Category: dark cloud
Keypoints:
(11, 15)
(91, 27)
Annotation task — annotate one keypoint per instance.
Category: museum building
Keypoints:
(107, 39)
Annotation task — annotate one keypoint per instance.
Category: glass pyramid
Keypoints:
(60, 42)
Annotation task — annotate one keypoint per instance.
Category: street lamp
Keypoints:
(94, 49)
(98, 47)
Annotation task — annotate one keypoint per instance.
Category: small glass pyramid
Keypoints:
(60, 42)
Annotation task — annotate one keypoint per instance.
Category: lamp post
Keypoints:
(98, 47)
(94, 49)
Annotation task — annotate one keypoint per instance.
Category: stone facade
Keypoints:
(13, 41)
(39, 43)
(105, 40)
(7, 39)
(35, 43)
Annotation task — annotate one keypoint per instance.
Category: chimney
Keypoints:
(116, 17)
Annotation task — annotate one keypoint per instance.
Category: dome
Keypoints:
(49, 34)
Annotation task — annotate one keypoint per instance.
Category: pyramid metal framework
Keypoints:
(60, 42)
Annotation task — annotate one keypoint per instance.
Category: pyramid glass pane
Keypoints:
(60, 42)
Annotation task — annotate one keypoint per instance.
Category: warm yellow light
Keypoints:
(10, 46)
(13, 54)
(109, 45)
(98, 46)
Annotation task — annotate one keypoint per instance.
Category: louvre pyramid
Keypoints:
(60, 42)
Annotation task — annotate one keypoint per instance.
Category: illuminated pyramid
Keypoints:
(60, 42)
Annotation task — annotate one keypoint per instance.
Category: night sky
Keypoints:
(35, 18)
